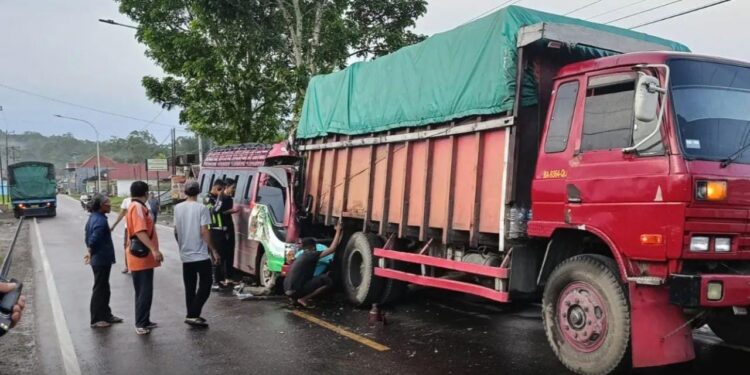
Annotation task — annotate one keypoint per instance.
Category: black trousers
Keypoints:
(221, 243)
(100, 294)
(143, 282)
(227, 259)
(196, 273)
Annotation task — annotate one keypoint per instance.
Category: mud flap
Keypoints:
(659, 331)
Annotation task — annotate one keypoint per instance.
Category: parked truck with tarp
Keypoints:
(530, 156)
(33, 189)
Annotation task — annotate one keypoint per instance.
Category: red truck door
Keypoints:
(619, 195)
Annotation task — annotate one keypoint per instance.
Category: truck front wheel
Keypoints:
(360, 284)
(586, 315)
(733, 329)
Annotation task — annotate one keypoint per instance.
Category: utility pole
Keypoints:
(2, 182)
(174, 152)
(200, 150)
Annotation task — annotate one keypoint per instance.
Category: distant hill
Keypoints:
(61, 149)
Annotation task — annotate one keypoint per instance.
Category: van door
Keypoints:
(269, 218)
(243, 256)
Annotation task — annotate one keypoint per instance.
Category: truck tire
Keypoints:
(733, 329)
(53, 212)
(587, 316)
(360, 284)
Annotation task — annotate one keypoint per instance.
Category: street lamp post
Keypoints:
(113, 22)
(98, 161)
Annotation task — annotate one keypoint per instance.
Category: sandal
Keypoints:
(307, 305)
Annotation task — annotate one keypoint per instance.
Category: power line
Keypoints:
(643, 11)
(582, 7)
(681, 13)
(616, 9)
(508, 2)
(83, 106)
(153, 119)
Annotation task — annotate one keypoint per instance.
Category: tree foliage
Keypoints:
(61, 149)
(238, 69)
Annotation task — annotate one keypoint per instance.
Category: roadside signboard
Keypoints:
(157, 165)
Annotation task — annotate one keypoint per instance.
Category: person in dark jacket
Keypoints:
(153, 206)
(101, 257)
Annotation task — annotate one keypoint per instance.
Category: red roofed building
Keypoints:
(117, 176)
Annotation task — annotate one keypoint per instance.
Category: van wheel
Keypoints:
(266, 277)
(360, 284)
(733, 329)
(587, 316)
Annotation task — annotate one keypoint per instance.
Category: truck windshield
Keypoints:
(712, 105)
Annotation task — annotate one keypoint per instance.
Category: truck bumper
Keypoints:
(709, 290)
(35, 211)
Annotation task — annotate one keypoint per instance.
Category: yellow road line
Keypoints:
(341, 331)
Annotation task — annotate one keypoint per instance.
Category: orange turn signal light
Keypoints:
(711, 190)
(652, 239)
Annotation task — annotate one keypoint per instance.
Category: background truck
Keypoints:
(33, 189)
(530, 156)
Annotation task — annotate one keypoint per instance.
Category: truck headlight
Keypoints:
(699, 244)
(722, 244)
(710, 190)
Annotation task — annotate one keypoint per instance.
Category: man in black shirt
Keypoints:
(227, 209)
(218, 229)
(301, 284)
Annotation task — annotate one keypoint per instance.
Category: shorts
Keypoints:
(312, 285)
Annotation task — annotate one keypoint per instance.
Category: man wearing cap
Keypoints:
(191, 223)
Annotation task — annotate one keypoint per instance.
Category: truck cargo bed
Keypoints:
(409, 182)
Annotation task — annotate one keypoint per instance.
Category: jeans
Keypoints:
(100, 294)
(196, 273)
(143, 282)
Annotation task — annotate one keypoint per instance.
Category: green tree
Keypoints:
(238, 69)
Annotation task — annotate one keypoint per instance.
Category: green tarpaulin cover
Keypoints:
(467, 71)
(32, 181)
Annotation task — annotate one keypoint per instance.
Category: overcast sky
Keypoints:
(56, 48)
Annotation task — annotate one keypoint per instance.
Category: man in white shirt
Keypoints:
(191, 221)
(123, 211)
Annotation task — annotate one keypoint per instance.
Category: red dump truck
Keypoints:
(529, 156)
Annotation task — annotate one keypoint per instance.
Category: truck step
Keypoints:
(471, 268)
(456, 286)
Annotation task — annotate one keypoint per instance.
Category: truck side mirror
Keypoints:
(646, 98)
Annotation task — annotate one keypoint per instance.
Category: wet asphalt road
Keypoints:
(427, 334)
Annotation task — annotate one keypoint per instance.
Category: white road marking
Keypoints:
(70, 360)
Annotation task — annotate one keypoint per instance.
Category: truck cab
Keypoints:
(643, 159)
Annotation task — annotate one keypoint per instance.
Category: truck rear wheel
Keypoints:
(733, 329)
(586, 315)
(360, 284)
